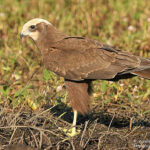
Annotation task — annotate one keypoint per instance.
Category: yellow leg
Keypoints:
(72, 132)
(75, 115)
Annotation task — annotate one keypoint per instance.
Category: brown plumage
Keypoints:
(80, 60)
(79, 95)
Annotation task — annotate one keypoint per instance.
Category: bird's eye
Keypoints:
(32, 27)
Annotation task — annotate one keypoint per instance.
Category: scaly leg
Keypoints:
(75, 115)
(73, 131)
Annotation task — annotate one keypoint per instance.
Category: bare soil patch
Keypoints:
(25, 129)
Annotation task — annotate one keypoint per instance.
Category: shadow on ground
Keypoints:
(101, 130)
(103, 117)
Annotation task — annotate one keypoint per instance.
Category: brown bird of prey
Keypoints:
(80, 61)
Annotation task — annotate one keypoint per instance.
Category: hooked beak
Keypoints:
(21, 35)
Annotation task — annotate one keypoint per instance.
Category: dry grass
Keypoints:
(32, 106)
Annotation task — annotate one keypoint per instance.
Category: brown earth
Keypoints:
(104, 130)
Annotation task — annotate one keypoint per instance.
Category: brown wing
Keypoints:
(79, 58)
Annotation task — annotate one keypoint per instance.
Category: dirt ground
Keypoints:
(102, 131)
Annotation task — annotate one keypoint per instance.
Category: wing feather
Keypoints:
(80, 58)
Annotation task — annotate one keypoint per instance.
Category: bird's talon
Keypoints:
(71, 132)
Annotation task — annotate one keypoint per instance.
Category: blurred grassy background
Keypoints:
(124, 24)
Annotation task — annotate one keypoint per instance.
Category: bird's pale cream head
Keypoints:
(30, 28)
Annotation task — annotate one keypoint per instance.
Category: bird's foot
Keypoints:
(71, 132)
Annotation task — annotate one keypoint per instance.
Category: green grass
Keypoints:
(124, 24)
